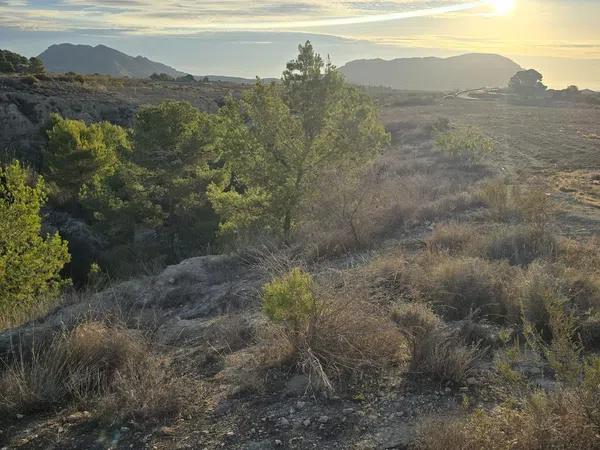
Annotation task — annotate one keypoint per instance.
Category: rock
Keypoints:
(278, 442)
(283, 422)
(20, 416)
(471, 381)
(323, 419)
(347, 411)
(306, 423)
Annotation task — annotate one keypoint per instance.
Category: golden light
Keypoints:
(503, 6)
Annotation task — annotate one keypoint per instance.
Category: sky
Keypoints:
(561, 38)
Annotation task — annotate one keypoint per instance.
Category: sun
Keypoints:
(503, 6)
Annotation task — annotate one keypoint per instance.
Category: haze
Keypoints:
(558, 37)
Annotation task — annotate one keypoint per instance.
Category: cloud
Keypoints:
(176, 16)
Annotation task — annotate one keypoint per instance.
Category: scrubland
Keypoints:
(447, 296)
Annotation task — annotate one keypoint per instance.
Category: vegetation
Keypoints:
(527, 83)
(30, 264)
(464, 143)
(384, 277)
(277, 142)
(14, 63)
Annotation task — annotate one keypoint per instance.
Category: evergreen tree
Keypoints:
(30, 264)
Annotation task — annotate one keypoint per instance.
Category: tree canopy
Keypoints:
(527, 83)
(14, 63)
(277, 140)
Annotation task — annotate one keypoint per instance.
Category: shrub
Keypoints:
(73, 365)
(519, 245)
(556, 420)
(452, 238)
(459, 286)
(330, 335)
(507, 202)
(30, 265)
(91, 363)
(290, 298)
(464, 143)
(435, 349)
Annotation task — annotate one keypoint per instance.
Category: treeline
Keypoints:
(14, 63)
(181, 181)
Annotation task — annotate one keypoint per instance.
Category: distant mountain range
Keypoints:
(470, 71)
(101, 59)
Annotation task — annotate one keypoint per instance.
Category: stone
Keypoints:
(323, 419)
(284, 422)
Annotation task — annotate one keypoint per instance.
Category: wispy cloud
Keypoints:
(168, 17)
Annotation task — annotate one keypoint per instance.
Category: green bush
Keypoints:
(290, 298)
(464, 143)
(30, 265)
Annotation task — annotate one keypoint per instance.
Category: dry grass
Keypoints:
(507, 202)
(519, 245)
(96, 363)
(459, 286)
(562, 420)
(345, 336)
(452, 238)
(435, 349)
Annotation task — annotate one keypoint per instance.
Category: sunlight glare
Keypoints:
(503, 6)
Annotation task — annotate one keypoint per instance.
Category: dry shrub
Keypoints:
(458, 286)
(509, 202)
(148, 392)
(90, 362)
(337, 336)
(452, 238)
(446, 206)
(547, 421)
(390, 278)
(590, 332)
(542, 284)
(580, 255)
(435, 349)
(519, 245)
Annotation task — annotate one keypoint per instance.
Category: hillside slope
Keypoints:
(101, 59)
(468, 71)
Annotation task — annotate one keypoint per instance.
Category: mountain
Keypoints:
(101, 59)
(470, 71)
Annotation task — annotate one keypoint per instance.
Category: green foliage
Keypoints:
(14, 63)
(30, 265)
(79, 154)
(464, 143)
(177, 162)
(290, 298)
(276, 142)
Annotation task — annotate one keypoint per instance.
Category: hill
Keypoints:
(468, 71)
(101, 59)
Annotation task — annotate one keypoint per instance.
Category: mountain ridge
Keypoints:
(87, 59)
(429, 73)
